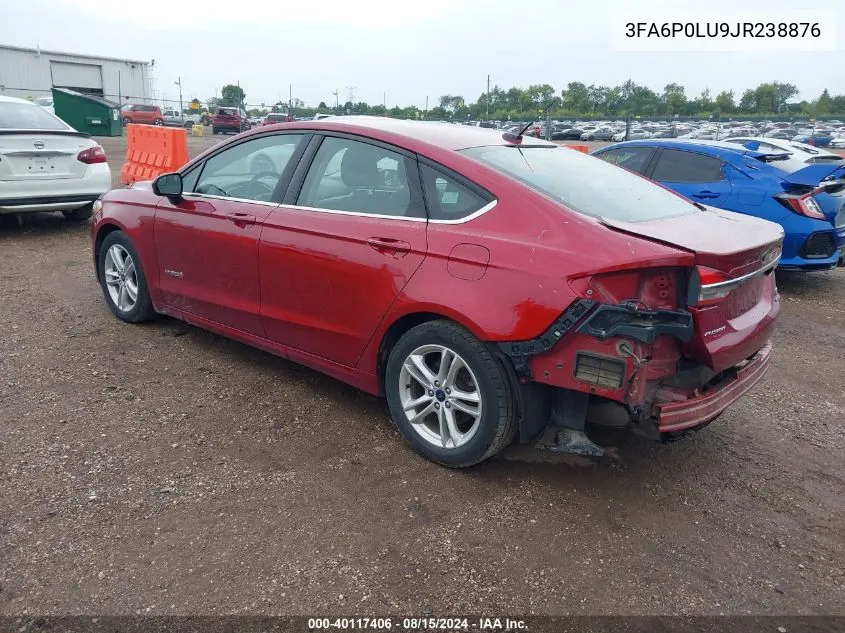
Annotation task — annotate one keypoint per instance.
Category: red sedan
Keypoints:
(491, 286)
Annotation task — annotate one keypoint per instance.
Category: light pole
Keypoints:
(179, 83)
(487, 118)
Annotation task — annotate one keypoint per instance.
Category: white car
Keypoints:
(46, 165)
(635, 135)
(800, 154)
(838, 142)
(46, 103)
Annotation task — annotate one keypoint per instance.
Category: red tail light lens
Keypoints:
(92, 155)
(805, 205)
(711, 289)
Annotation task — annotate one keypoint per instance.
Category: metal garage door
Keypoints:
(87, 78)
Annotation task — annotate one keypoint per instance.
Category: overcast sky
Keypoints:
(408, 50)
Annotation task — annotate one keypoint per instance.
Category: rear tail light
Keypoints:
(805, 204)
(713, 286)
(92, 155)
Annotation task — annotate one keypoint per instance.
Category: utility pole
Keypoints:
(336, 99)
(425, 112)
(290, 99)
(384, 102)
(179, 83)
(488, 98)
(350, 92)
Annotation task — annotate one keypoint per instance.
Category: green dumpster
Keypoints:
(87, 113)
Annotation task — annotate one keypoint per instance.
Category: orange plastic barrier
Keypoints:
(580, 148)
(153, 150)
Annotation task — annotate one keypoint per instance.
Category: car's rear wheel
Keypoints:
(126, 120)
(82, 213)
(450, 397)
(158, 122)
(122, 279)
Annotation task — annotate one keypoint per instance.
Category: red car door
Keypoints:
(332, 262)
(207, 243)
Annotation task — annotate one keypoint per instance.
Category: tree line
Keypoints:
(776, 99)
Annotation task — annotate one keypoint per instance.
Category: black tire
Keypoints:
(126, 121)
(214, 130)
(82, 213)
(158, 122)
(498, 423)
(143, 309)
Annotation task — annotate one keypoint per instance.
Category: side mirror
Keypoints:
(169, 185)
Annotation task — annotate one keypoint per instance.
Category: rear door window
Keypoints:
(634, 159)
(355, 177)
(680, 166)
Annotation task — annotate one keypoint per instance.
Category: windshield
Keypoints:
(584, 183)
(28, 116)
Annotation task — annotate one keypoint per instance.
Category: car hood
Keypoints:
(731, 242)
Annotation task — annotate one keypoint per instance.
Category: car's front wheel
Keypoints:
(122, 279)
(450, 397)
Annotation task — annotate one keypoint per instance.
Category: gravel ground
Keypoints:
(161, 469)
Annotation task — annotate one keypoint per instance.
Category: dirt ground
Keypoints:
(161, 469)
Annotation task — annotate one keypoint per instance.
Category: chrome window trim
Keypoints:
(244, 200)
(487, 207)
(720, 287)
(472, 216)
(299, 207)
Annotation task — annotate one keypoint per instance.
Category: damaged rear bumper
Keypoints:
(675, 412)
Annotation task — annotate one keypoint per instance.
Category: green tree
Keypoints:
(232, 95)
(703, 103)
(575, 98)
(822, 104)
(674, 99)
(785, 92)
(322, 106)
(724, 101)
(837, 104)
(748, 102)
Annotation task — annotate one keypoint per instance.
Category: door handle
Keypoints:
(705, 194)
(389, 246)
(241, 218)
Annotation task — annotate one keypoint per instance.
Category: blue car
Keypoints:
(809, 203)
(819, 139)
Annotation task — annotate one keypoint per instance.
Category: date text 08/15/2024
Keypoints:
(482, 623)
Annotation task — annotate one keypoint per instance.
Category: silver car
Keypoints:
(174, 118)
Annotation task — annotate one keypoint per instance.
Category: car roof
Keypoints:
(714, 148)
(434, 133)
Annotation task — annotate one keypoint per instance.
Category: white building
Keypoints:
(29, 73)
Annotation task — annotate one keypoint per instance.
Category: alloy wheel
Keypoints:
(121, 278)
(440, 396)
